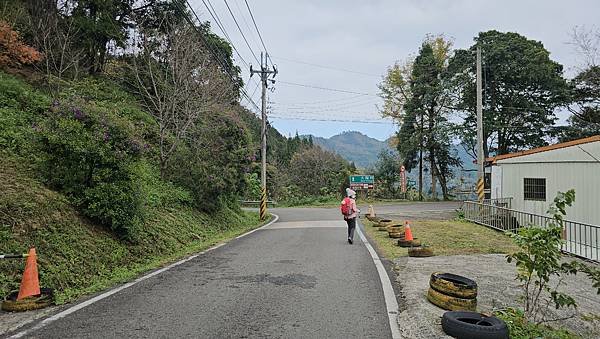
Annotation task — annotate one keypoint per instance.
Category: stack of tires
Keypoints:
(395, 231)
(452, 292)
(383, 224)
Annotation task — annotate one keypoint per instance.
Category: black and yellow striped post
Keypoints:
(263, 204)
(480, 190)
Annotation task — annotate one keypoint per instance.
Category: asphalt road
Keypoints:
(298, 278)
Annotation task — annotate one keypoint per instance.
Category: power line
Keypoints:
(211, 48)
(220, 25)
(332, 120)
(326, 67)
(241, 32)
(258, 31)
(325, 88)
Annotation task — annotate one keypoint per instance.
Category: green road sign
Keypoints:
(362, 181)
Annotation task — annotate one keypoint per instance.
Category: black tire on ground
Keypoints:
(450, 303)
(420, 252)
(464, 325)
(453, 285)
(45, 299)
(409, 243)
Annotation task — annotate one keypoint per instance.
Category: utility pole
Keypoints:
(480, 155)
(264, 73)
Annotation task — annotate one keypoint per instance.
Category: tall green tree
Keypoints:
(522, 88)
(98, 23)
(417, 96)
(585, 106)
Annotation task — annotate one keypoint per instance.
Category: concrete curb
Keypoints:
(388, 291)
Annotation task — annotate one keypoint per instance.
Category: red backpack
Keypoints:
(345, 207)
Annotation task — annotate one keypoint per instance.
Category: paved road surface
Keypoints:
(298, 278)
(442, 210)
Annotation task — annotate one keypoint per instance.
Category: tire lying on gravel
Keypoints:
(409, 243)
(45, 299)
(453, 285)
(420, 252)
(473, 325)
(451, 303)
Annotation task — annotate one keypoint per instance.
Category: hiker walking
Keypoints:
(350, 211)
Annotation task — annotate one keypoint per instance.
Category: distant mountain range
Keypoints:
(363, 150)
(354, 146)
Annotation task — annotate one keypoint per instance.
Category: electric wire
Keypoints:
(220, 25)
(325, 88)
(258, 31)
(326, 67)
(221, 59)
(241, 31)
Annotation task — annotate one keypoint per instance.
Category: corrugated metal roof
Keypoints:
(544, 149)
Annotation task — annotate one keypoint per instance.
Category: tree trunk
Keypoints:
(421, 161)
(434, 174)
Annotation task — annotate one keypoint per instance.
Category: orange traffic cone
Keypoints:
(30, 284)
(407, 232)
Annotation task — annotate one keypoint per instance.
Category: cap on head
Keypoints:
(351, 193)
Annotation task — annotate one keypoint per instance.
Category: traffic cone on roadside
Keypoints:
(30, 283)
(407, 232)
(371, 211)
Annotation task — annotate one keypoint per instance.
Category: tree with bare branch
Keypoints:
(178, 82)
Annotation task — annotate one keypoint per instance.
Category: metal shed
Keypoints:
(532, 178)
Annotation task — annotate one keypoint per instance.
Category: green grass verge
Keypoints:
(521, 329)
(447, 237)
(77, 257)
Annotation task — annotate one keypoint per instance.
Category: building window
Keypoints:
(534, 188)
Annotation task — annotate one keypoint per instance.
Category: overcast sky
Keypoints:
(356, 41)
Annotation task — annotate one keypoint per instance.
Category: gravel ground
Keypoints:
(496, 288)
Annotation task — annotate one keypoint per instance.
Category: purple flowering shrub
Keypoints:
(213, 165)
(89, 152)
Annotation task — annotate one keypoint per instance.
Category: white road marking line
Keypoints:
(388, 291)
(107, 294)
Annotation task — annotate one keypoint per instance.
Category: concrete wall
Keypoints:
(566, 168)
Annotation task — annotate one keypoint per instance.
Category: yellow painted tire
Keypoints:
(45, 299)
(451, 303)
(396, 235)
(453, 285)
(384, 222)
(409, 243)
(382, 228)
(420, 252)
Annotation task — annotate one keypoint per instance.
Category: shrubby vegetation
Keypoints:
(121, 136)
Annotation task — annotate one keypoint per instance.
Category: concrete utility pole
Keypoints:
(480, 155)
(264, 72)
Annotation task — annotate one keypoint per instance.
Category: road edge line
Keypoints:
(115, 290)
(388, 291)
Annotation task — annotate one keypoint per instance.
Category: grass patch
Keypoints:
(447, 237)
(521, 329)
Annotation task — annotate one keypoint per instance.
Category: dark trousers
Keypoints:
(351, 226)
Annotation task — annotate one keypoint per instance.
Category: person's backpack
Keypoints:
(345, 207)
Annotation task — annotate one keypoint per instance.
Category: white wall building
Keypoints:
(532, 178)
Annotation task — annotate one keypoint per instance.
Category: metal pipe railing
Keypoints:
(579, 238)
